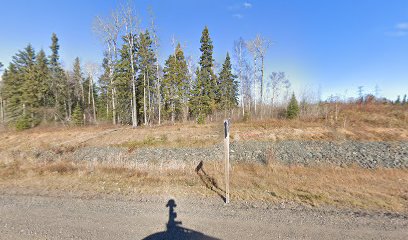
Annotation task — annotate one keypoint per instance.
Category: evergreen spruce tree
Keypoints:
(20, 89)
(103, 103)
(204, 94)
(145, 64)
(78, 83)
(42, 78)
(12, 91)
(77, 115)
(30, 87)
(293, 108)
(398, 101)
(122, 79)
(228, 87)
(24, 87)
(174, 84)
(404, 100)
(58, 81)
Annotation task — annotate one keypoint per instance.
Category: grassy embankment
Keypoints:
(355, 187)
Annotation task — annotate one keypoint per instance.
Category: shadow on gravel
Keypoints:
(175, 231)
(209, 181)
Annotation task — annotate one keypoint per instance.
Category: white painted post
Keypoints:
(226, 154)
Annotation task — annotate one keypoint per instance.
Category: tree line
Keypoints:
(131, 89)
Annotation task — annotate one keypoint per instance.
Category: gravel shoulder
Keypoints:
(34, 217)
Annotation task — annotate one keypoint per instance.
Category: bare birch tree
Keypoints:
(242, 63)
(191, 66)
(108, 30)
(277, 80)
(258, 48)
(252, 49)
(156, 46)
(2, 115)
(92, 70)
(131, 23)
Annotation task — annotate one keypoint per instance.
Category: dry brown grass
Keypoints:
(371, 122)
(351, 187)
(385, 189)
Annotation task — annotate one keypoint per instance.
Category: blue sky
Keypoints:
(337, 45)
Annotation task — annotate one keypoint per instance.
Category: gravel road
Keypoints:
(34, 217)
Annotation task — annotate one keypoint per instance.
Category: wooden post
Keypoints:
(226, 154)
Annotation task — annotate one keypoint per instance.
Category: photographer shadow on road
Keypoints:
(174, 229)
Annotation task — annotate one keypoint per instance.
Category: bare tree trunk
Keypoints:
(134, 108)
(262, 84)
(158, 91)
(93, 102)
(144, 98)
(56, 108)
(1, 109)
(107, 108)
(82, 92)
(111, 70)
(156, 51)
(89, 92)
(69, 107)
(113, 106)
(172, 111)
(149, 99)
(113, 90)
(255, 87)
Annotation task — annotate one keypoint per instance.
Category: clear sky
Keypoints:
(337, 45)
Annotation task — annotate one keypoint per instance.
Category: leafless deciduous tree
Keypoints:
(191, 67)
(108, 30)
(309, 99)
(131, 27)
(277, 81)
(92, 70)
(287, 85)
(156, 45)
(242, 66)
(258, 47)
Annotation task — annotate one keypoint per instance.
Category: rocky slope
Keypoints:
(364, 154)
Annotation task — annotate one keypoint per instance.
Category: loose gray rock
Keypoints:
(364, 154)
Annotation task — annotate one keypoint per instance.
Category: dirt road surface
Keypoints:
(36, 217)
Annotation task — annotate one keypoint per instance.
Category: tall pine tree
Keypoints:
(122, 80)
(145, 62)
(42, 77)
(78, 84)
(228, 87)
(174, 84)
(58, 81)
(204, 95)
(22, 89)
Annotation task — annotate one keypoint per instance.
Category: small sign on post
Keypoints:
(226, 154)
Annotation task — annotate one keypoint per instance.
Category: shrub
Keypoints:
(293, 108)
(23, 123)
(77, 116)
(201, 119)
(247, 116)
